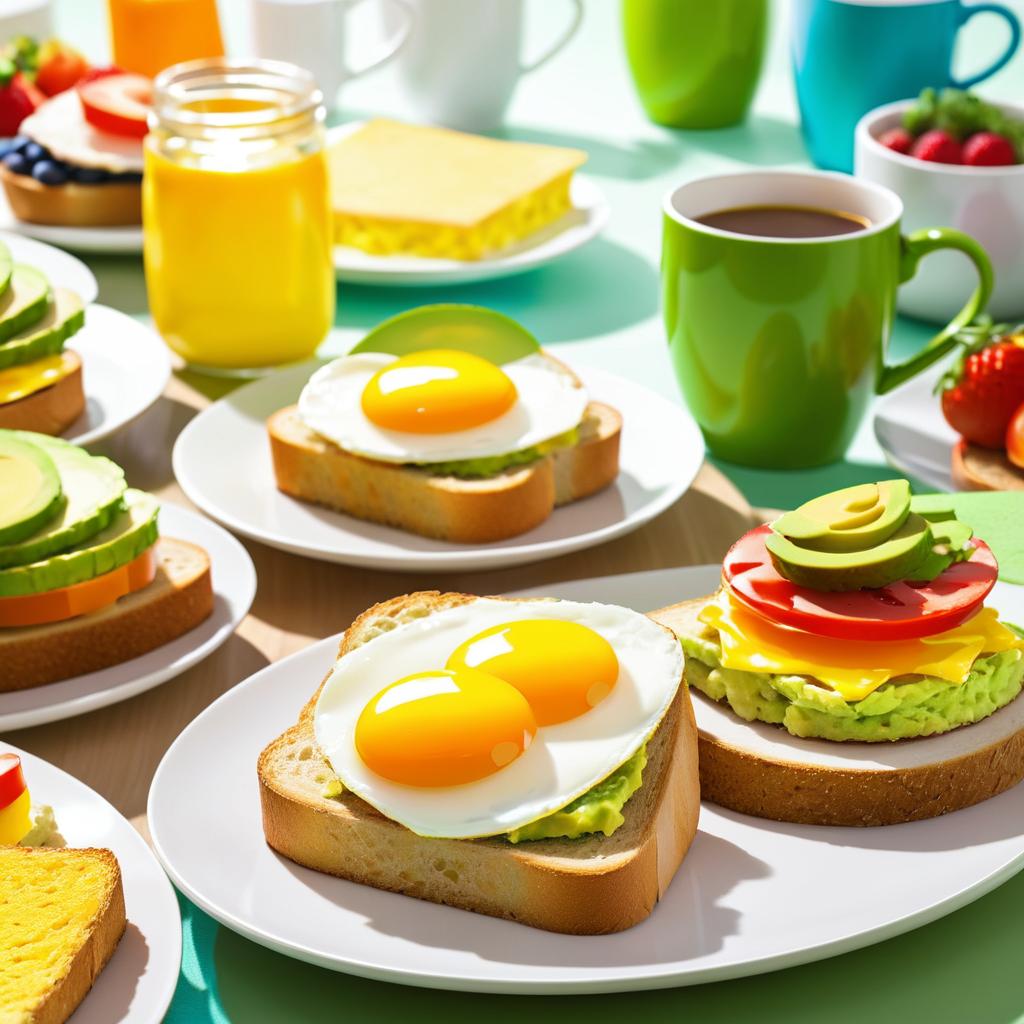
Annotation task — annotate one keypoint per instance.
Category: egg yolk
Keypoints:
(444, 728)
(563, 669)
(437, 391)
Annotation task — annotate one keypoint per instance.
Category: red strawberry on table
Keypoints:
(937, 146)
(18, 97)
(982, 396)
(987, 149)
(899, 140)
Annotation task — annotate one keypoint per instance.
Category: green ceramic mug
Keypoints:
(778, 343)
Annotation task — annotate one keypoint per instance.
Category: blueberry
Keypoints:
(7, 146)
(17, 164)
(49, 172)
(89, 175)
(19, 142)
(33, 152)
(129, 178)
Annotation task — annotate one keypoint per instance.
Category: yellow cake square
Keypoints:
(416, 190)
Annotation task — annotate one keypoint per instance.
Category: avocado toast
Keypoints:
(40, 380)
(85, 580)
(854, 624)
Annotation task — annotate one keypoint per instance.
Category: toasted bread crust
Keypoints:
(744, 779)
(113, 204)
(589, 885)
(974, 468)
(176, 601)
(51, 410)
(446, 508)
(107, 930)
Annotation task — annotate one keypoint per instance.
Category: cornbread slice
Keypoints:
(417, 190)
(61, 918)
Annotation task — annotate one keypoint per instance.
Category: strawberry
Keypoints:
(985, 389)
(59, 67)
(18, 97)
(1015, 438)
(897, 139)
(987, 149)
(937, 146)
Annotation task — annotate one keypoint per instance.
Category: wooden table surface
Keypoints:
(116, 750)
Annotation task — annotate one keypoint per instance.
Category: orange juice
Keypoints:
(237, 231)
(150, 35)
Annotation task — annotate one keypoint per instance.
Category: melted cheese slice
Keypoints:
(21, 381)
(853, 668)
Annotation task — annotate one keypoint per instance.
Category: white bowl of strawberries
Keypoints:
(953, 159)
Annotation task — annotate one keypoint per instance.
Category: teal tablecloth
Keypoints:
(600, 306)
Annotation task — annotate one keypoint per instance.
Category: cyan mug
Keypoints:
(850, 56)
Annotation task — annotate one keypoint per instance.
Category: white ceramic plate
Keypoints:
(232, 432)
(914, 434)
(111, 241)
(138, 983)
(234, 586)
(60, 268)
(734, 909)
(125, 368)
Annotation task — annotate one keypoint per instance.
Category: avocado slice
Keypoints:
(131, 532)
(30, 490)
(93, 488)
(62, 318)
(6, 268)
(851, 519)
(894, 559)
(24, 301)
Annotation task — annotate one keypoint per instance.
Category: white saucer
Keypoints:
(232, 432)
(138, 983)
(738, 906)
(61, 268)
(234, 586)
(914, 434)
(125, 368)
(111, 241)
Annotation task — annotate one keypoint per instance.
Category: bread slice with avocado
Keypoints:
(591, 884)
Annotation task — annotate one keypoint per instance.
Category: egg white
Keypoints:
(59, 125)
(550, 402)
(561, 763)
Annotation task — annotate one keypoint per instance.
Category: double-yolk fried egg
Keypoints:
(482, 718)
(440, 405)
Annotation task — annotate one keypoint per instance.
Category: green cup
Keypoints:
(695, 63)
(779, 343)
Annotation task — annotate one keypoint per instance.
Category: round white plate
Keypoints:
(234, 586)
(737, 906)
(125, 368)
(914, 434)
(112, 241)
(60, 268)
(138, 982)
(231, 432)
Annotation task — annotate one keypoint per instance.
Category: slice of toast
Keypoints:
(51, 410)
(61, 917)
(984, 469)
(178, 599)
(444, 507)
(590, 885)
(761, 769)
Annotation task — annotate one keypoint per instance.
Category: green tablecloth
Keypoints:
(600, 307)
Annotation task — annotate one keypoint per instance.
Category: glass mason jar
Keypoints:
(236, 213)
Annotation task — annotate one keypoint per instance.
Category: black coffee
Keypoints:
(784, 221)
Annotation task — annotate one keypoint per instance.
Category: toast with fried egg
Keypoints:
(587, 885)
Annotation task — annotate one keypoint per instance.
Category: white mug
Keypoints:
(311, 33)
(462, 61)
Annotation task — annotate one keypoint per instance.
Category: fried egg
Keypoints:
(440, 405)
(482, 718)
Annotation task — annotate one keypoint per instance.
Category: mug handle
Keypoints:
(574, 24)
(391, 46)
(966, 13)
(914, 247)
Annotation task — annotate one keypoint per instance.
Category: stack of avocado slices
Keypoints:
(66, 516)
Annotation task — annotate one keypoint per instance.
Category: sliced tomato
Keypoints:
(900, 611)
(81, 598)
(117, 103)
(12, 781)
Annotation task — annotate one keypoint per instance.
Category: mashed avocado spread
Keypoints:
(597, 810)
(492, 465)
(921, 706)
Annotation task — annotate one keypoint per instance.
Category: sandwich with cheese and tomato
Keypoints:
(857, 674)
